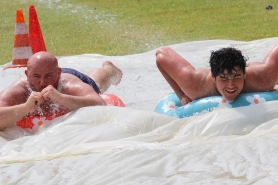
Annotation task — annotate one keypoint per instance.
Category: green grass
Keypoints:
(121, 27)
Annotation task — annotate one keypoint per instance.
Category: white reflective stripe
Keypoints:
(20, 28)
(22, 53)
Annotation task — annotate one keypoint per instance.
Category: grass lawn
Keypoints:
(121, 27)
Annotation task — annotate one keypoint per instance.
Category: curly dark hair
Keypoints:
(226, 59)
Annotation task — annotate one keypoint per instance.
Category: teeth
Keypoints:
(230, 90)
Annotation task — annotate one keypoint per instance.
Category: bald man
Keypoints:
(48, 89)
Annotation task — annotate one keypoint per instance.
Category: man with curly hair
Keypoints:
(229, 74)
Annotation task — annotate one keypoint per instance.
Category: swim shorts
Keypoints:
(82, 77)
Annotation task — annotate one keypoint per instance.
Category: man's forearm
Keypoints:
(76, 102)
(10, 115)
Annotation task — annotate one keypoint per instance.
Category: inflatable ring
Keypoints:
(33, 122)
(170, 105)
(113, 100)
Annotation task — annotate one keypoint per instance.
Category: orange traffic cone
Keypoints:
(35, 34)
(22, 50)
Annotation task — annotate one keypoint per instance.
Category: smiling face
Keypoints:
(42, 70)
(229, 85)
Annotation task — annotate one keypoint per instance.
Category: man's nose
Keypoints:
(42, 81)
(230, 82)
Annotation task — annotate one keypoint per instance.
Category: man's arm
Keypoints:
(76, 102)
(188, 83)
(11, 112)
(76, 96)
(262, 76)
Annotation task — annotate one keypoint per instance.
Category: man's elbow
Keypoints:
(101, 103)
(3, 127)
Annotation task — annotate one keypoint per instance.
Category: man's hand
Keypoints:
(34, 100)
(50, 93)
(185, 100)
(77, 96)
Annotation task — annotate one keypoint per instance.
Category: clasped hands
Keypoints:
(37, 98)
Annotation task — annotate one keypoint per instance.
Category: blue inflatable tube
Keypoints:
(170, 105)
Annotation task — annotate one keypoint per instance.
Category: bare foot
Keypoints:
(115, 73)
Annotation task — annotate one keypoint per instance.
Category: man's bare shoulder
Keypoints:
(203, 84)
(16, 93)
(69, 80)
(260, 77)
(72, 85)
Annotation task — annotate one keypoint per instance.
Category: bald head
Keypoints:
(42, 59)
(42, 70)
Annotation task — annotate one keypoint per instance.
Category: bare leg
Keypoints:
(108, 75)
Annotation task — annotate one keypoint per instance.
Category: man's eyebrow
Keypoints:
(237, 74)
(227, 75)
(224, 76)
(49, 73)
(36, 74)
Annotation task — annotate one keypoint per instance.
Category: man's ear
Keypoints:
(26, 73)
(213, 78)
(59, 71)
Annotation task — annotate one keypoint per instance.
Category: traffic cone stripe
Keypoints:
(21, 41)
(20, 28)
(20, 63)
(21, 53)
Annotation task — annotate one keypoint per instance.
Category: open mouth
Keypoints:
(230, 91)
